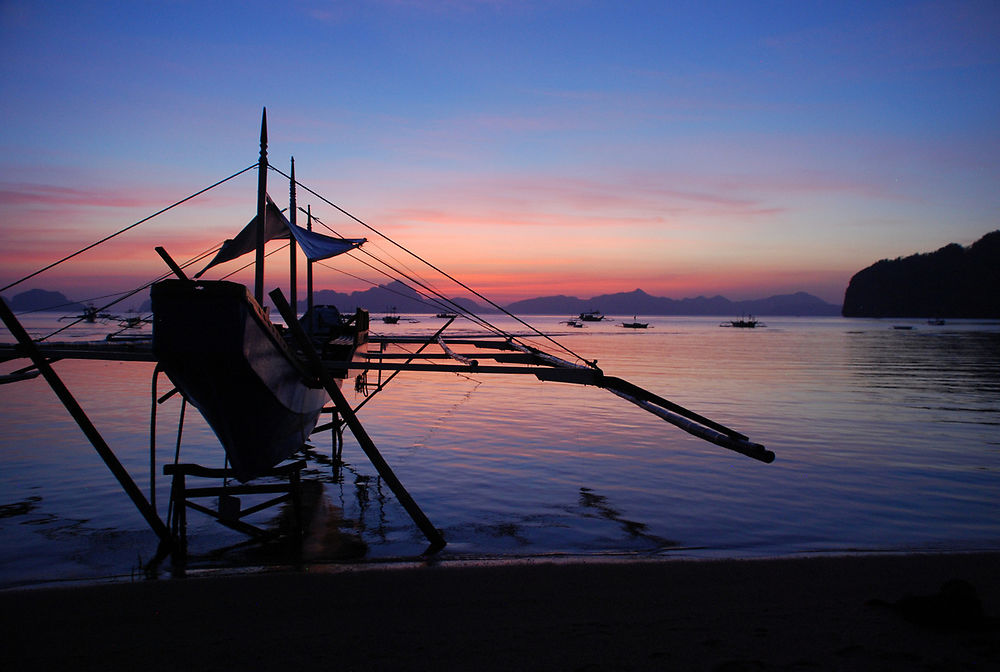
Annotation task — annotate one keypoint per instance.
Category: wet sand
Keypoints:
(822, 613)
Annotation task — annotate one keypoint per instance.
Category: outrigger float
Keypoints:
(262, 386)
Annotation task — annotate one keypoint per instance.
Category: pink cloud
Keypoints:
(44, 194)
(576, 202)
(48, 195)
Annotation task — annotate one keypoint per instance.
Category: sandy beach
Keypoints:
(821, 613)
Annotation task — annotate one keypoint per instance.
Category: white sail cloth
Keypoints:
(315, 246)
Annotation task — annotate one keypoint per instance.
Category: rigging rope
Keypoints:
(248, 265)
(441, 301)
(132, 293)
(439, 270)
(444, 303)
(127, 228)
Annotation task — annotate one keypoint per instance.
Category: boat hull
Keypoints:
(219, 349)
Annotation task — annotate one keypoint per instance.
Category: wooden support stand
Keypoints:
(229, 512)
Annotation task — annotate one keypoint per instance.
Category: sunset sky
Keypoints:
(529, 148)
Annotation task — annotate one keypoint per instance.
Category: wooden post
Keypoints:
(178, 499)
(309, 269)
(170, 262)
(29, 347)
(292, 246)
(347, 413)
(258, 284)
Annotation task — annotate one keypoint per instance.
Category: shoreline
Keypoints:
(822, 612)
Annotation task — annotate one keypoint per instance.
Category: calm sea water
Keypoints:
(886, 440)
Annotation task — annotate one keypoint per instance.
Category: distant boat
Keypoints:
(902, 327)
(634, 324)
(592, 316)
(91, 314)
(748, 322)
(574, 323)
(937, 322)
(391, 317)
(133, 321)
(446, 316)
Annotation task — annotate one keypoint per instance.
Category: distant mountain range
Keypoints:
(392, 296)
(954, 281)
(405, 300)
(638, 302)
(399, 297)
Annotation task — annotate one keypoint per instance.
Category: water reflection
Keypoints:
(955, 362)
(591, 500)
(885, 439)
(21, 508)
(944, 377)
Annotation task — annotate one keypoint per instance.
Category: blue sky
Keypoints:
(529, 147)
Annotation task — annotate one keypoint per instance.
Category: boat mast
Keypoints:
(258, 283)
(309, 265)
(292, 247)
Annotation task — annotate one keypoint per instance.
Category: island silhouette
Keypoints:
(952, 282)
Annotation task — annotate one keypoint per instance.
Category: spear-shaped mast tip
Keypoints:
(263, 128)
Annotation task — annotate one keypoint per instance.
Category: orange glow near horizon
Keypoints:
(503, 143)
(507, 238)
(506, 259)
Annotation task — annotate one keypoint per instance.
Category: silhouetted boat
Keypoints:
(90, 314)
(592, 316)
(936, 322)
(132, 321)
(635, 325)
(446, 316)
(391, 317)
(216, 344)
(747, 322)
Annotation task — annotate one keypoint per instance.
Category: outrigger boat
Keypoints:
(237, 368)
(635, 324)
(391, 317)
(591, 316)
(217, 345)
(261, 387)
(90, 315)
(744, 322)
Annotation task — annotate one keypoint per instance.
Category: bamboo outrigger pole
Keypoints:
(41, 362)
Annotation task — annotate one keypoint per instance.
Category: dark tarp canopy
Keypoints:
(315, 246)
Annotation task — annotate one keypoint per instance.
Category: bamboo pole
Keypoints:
(347, 413)
(292, 246)
(410, 358)
(258, 284)
(309, 269)
(90, 431)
